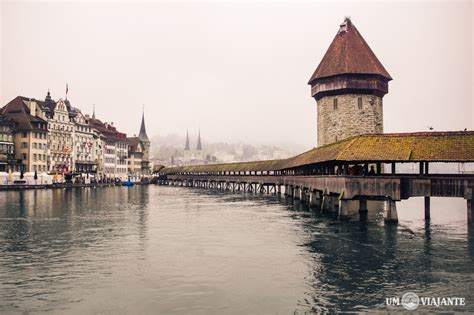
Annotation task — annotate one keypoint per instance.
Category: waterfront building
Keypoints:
(85, 150)
(114, 146)
(99, 152)
(53, 136)
(348, 85)
(135, 156)
(7, 146)
(121, 146)
(109, 158)
(31, 130)
(61, 129)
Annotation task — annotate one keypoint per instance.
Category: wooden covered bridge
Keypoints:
(345, 175)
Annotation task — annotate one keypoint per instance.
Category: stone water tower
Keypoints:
(348, 86)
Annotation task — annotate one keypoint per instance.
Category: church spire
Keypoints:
(48, 100)
(48, 96)
(142, 135)
(186, 147)
(199, 146)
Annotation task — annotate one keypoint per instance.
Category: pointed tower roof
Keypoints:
(349, 53)
(93, 111)
(186, 147)
(199, 146)
(142, 135)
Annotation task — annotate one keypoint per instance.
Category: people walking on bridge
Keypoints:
(372, 171)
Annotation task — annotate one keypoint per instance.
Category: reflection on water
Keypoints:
(176, 250)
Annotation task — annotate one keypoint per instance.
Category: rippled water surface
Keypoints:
(177, 250)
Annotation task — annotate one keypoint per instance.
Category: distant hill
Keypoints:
(165, 147)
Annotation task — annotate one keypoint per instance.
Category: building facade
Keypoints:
(135, 156)
(84, 145)
(348, 85)
(61, 129)
(121, 149)
(31, 133)
(52, 136)
(111, 149)
(7, 146)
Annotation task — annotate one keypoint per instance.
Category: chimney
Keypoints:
(32, 106)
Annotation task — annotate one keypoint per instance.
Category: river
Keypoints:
(172, 250)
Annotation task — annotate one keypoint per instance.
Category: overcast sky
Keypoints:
(237, 71)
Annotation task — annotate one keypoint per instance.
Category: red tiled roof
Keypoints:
(349, 53)
(107, 130)
(133, 143)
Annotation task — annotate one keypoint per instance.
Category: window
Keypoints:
(24, 135)
(24, 145)
(359, 102)
(335, 103)
(24, 156)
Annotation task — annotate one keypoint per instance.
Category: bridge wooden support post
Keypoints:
(314, 200)
(390, 211)
(427, 208)
(348, 208)
(295, 194)
(468, 195)
(308, 196)
(305, 195)
(363, 209)
(470, 212)
(311, 198)
(328, 203)
(324, 201)
(363, 206)
(278, 189)
(301, 194)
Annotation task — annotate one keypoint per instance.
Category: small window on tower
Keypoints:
(335, 103)
(359, 102)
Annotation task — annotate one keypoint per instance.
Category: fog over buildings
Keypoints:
(238, 72)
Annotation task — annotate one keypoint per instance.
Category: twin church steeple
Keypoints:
(199, 144)
(193, 156)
